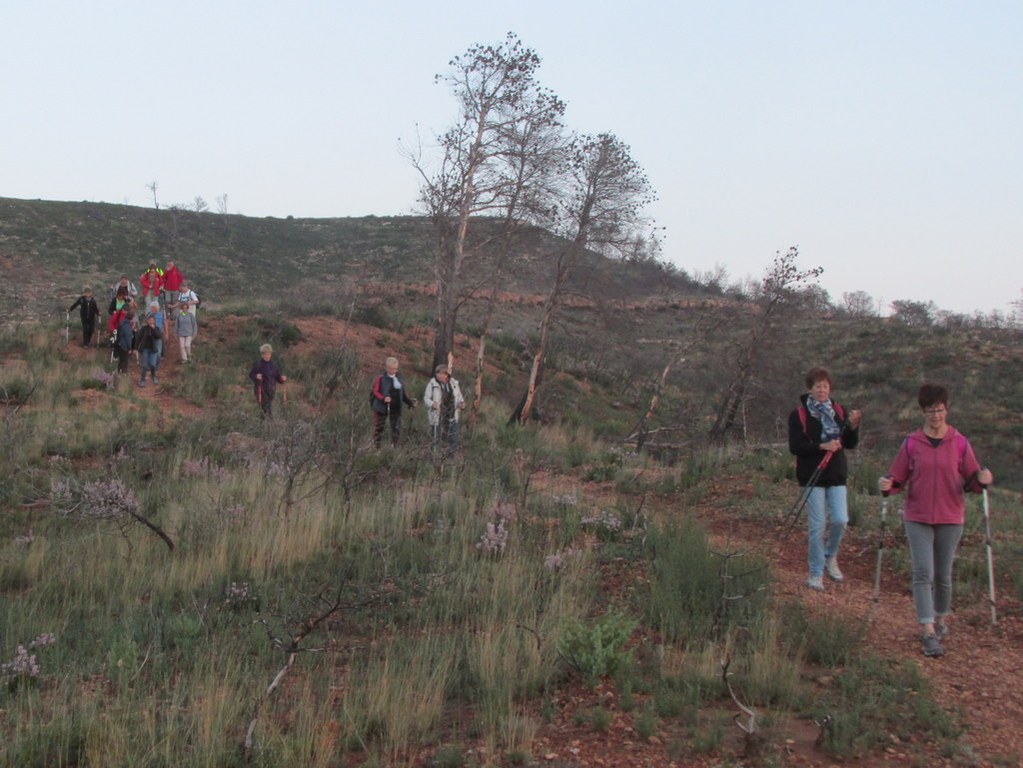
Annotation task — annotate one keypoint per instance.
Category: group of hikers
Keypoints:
(935, 466)
(140, 321)
(442, 398)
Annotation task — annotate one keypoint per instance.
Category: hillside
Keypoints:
(48, 250)
(185, 584)
(622, 323)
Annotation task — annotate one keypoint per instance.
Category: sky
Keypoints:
(884, 139)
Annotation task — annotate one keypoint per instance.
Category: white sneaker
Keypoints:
(831, 566)
(816, 583)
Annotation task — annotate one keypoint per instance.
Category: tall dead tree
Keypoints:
(780, 289)
(603, 192)
(496, 90)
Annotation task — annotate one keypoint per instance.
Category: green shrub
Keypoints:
(598, 650)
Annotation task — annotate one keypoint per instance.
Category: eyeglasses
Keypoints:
(933, 411)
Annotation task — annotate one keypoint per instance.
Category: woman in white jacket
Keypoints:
(443, 400)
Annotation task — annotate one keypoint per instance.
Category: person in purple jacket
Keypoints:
(936, 466)
(265, 377)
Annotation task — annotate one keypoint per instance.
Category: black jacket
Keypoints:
(384, 387)
(805, 445)
(89, 308)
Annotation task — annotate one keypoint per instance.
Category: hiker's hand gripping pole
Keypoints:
(793, 515)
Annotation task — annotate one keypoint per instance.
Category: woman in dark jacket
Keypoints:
(89, 313)
(265, 377)
(389, 392)
(818, 428)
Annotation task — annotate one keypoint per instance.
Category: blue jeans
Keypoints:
(834, 497)
(149, 360)
(932, 549)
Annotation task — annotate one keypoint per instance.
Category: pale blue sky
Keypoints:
(882, 138)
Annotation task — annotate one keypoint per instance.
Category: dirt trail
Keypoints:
(978, 677)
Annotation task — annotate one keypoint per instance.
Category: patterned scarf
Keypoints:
(825, 414)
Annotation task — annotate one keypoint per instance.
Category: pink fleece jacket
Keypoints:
(936, 477)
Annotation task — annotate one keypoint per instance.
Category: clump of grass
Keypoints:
(824, 640)
(872, 698)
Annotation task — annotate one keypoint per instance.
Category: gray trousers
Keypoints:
(932, 548)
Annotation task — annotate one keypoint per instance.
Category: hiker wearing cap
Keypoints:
(89, 314)
(152, 283)
(936, 466)
(265, 377)
(820, 431)
(443, 400)
(386, 398)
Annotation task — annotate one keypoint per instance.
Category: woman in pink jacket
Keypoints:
(936, 466)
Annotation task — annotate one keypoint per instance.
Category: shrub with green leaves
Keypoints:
(597, 650)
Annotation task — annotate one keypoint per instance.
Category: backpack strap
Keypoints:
(803, 414)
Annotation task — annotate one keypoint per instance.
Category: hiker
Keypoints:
(119, 300)
(147, 342)
(936, 465)
(443, 400)
(820, 426)
(389, 392)
(265, 376)
(119, 305)
(156, 313)
(125, 338)
(187, 300)
(127, 285)
(171, 285)
(89, 313)
(152, 283)
(185, 328)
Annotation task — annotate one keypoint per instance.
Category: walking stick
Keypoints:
(880, 546)
(797, 508)
(284, 391)
(67, 328)
(990, 560)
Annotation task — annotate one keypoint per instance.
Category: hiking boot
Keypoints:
(932, 647)
(156, 380)
(816, 583)
(142, 383)
(941, 630)
(831, 566)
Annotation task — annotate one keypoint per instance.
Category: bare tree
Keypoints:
(858, 303)
(152, 188)
(602, 196)
(781, 288)
(496, 90)
(221, 201)
(536, 147)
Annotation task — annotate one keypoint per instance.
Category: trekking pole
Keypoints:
(880, 546)
(67, 328)
(284, 391)
(990, 559)
(797, 508)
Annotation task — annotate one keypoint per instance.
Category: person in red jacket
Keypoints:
(936, 465)
(171, 285)
(152, 283)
